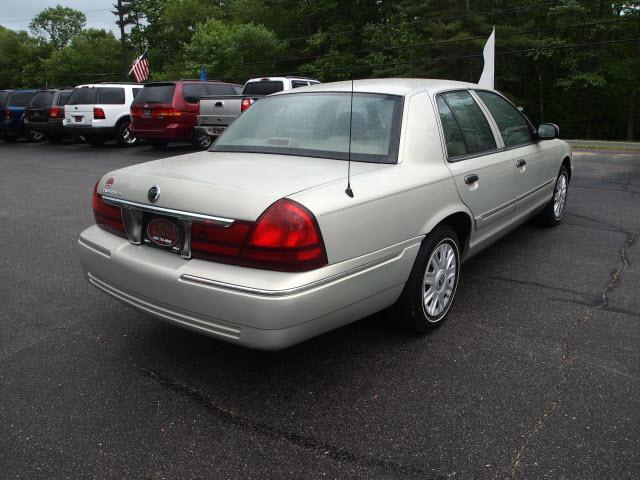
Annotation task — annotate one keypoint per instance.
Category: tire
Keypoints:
(553, 211)
(202, 141)
(438, 257)
(159, 144)
(124, 136)
(95, 140)
(35, 136)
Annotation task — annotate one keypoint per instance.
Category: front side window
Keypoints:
(476, 132)
(319, 125)
(513, 126)
(111, 96)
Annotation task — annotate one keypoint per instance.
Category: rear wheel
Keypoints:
(202, 141)
(95, 140)
(35, 135)
(432, 284)
(124, 136)
(552, 213)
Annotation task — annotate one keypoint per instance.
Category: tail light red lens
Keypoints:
(98, 113)
(136, 112)
(166, 112)
(107, 216)
(56, 112)
(216, 243)
(245, 104)
(7, 114)
(286, 237)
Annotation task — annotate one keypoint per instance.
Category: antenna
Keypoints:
(348, 190)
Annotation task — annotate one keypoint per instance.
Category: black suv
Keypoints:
(44, 115)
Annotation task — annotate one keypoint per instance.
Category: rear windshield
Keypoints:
(319, 125)
(43, 99)
(220, 89)
(162, 93)
(82, 96)
(64, 98)
(19, 99)
(263, 87)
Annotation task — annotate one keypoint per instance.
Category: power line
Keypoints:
(18, 20)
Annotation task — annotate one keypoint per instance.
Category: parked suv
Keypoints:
(3, 97)
(12, 124)
(44, 115)
(167, 111)
(100, 112)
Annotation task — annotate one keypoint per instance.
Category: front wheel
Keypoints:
(203, 141)
(553, 211)
(35, 136)
(432, 284)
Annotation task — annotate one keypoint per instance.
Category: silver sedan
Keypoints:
(323, 205)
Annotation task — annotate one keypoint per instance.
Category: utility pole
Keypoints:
(122, 23)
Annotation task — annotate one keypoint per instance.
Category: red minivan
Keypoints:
(166, 112)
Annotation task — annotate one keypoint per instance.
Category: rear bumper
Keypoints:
(241, 305)
(171, 132)
(90, 130)
(209, 130)
(50, 127)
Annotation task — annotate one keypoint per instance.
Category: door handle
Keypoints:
(219, 104)
(520, 163)
(469, 179)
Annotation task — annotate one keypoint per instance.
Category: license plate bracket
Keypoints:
(164, 232)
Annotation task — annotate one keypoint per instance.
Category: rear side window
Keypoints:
(63, 98)
(513, 126)
(298, 84)
(452, 134)
(19, 99)
(110, 96)
(263, 87)
(191, 92)
(156, 93)
(220, 89)
(3, 97)
(83, 96)
(474, 126)
(43, 99)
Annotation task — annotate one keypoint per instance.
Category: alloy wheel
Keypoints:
(560, 196)
(439, 283)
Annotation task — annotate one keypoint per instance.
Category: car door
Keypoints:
(484, 175)
(534, 167)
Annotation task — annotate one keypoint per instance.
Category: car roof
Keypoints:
(282, 79)
(389, 86)
(109, 85)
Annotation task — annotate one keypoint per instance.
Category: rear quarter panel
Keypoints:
(394, 204)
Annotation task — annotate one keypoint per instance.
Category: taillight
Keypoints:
(98, 113)
(216, 243)
(107, 216)
(7, 114)
(165, 112)
(56, 112)
(136, 112)
(246, 103)
(286, 237)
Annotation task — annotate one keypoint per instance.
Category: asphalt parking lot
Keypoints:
(536, 374)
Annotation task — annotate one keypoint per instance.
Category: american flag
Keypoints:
(140, 68)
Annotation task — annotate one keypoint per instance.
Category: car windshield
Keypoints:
(83, 96)
(319, 125)
(263, 87)
(160, 93)
(42, 99)
(19, 99)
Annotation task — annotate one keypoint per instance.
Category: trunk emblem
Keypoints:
(109, 182)
(154, 193)
(163, 232)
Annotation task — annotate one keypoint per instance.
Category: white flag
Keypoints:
(489, 54)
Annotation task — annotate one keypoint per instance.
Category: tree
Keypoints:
(92, 56)
(19, 58)
(127, 14)
(58, 25)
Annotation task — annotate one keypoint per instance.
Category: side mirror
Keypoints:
(548, 131)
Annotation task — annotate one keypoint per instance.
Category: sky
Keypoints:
(16, 14)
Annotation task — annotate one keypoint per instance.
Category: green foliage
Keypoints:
(19, 58)
(58, 25)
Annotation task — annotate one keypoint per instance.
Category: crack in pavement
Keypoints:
(532, 283)
(566, 354)
(623, 311)
(317, 446)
